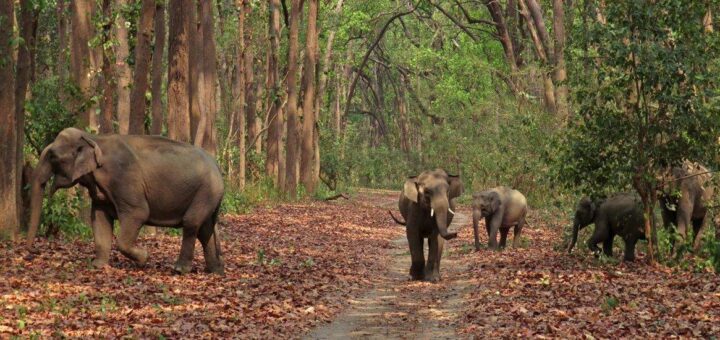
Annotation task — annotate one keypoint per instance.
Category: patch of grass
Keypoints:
(609, 304)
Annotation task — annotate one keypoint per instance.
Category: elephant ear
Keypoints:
(88, 159)
(589, 207)
(411, 189)
(494, 199)
(456, 186)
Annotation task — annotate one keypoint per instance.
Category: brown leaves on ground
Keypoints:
(541, 291)
(287, 269)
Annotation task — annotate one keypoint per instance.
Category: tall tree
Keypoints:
(122, 69)
(143, 58)
(238, 117)
(293, 136)
(157, 68)
(178, 119)
(84, 59)
(560, 73)
(207, 87)
(61, 16)
(275, 115)
(307, 172)
(107, 72)
(9, 167)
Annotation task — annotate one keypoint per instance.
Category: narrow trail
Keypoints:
(397, 308)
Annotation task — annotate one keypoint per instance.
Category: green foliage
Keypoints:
(60, 213)
(47, 113)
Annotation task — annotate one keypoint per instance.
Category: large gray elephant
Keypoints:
(427, 203)
(502, 208)
(620, 214)
(136, 180)
(684, 198)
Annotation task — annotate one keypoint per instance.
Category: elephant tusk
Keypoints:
(432, 212)
(450, 210)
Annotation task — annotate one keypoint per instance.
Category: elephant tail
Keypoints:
(215, 216)
(395, 219)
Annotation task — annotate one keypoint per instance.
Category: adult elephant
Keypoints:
(427, 202)
(620, 214)
(502, 208)
(136, 180)
(684, 199)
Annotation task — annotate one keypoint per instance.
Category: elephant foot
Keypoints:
(182, 268)
(434, 278)
(215, 268)
(99, 263)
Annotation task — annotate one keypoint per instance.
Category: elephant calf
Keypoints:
(136, 180)
(426, 203)
(502, 208)
(620, 214)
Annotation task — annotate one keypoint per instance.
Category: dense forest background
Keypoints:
(307, 98)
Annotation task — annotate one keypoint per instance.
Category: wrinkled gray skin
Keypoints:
(620, 214)
(431, 190)
(502, 208)
(684, 202)
(136, 180)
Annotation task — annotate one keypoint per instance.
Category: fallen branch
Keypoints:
(340, 195)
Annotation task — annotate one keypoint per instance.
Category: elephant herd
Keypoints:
(152, 180)
(427, 202)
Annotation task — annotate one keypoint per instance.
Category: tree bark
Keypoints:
(196, 64)
(293, 135)
(61, 15)
(307, 172)
(250, 89)
(122, 69)
(560, 73)
(549, 87)
(108, 76)
(138, 103)
(178, 119)
(503, 34)
(275, 115)
(10, 171)
(157, 69)
(84, 61)
(240, 88)
(326, 58)
(208, 102)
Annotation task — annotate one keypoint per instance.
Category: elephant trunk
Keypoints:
(576, 229)
(440, 207)
(40, 177)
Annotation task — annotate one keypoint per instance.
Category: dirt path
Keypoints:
(397, 308)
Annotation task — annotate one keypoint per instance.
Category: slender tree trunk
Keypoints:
(309, 115)
(138, 103)
(327, 57)
(293, 136)
(108, 76)
(250, 89)
(541, 52)
(275, 116)
(122, 69)
(207, 96)
(10, 170)
(240, 88)
(196, 65)
(178, 119)
(503, 34)
(82, 59)
(157, 69)
(61, 16)
(560, 73)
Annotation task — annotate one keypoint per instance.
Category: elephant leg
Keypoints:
(210, 240)
(417, 268)
(698, 228)
(494, 223)
(608, 246)
(129, 230)
(476, 219)
(630, 242)
(517, 233)
(684, 220)
(102, 224)
(435, 245)
(487, 226)
(503, 236)
(187, 250)
(599, 235)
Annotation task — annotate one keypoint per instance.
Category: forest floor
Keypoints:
(339, 270)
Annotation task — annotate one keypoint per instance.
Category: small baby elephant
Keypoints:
(502, 208)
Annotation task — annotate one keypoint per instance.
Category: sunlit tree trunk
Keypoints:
(10, 197)
(157, 69)
(61, 16)
(138, 103)
(178, 119)
(84, 61)
(307, 172)
(195, 64)
(293, 136)
(239, 92)
(207, 95)
(122, 69)
(108, 76)
(275, 115)
(542, 53)
(560, 73)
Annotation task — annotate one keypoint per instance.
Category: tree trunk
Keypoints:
(293, 135)
(541, 52)
(275, 115)
(560, 73)
(178, 119)
(10, 170)
(195, 64)
(108, 76)
(83, 60)
(157, 69)
(240, 88)
(502, 31)
(122, 69)
(208, 62)
(309, 115)
(250, 90)
(142, 67)
(326, 59)
(61, 15)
